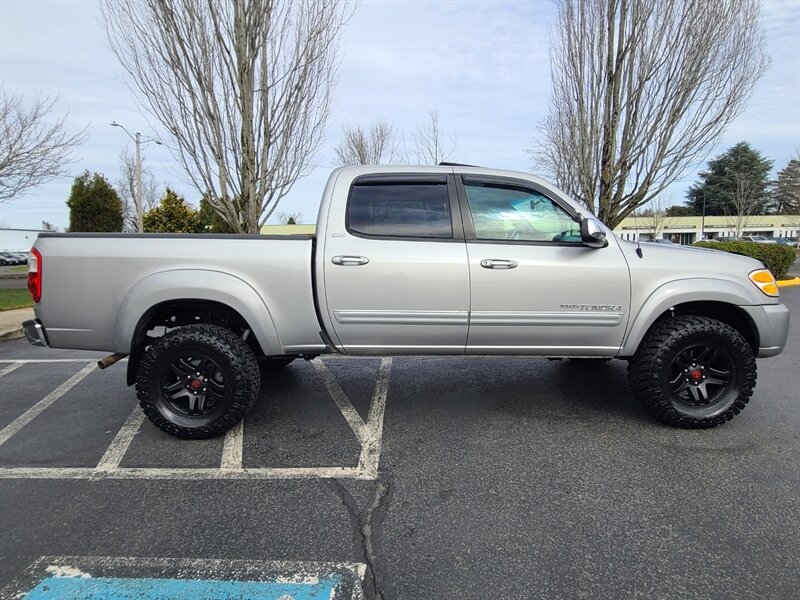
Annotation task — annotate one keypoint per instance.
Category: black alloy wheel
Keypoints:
(197, 381)
(693, 372)
(192, 384)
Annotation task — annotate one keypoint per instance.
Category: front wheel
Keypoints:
(197, 381)
(693, 372)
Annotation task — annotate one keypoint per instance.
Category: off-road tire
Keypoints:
(654, 365)
(234, 362)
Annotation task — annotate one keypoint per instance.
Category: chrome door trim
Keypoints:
(606, 319)
(401, 317)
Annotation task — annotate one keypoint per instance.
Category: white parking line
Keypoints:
(28, 361)
(233, 448)
(12, 367)
(340, 398)
(369, 436)
(40, 406)
(371, 447)
(121, 442)
(94, 473)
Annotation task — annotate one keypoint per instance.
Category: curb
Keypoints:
(13, 334)
(788, 282)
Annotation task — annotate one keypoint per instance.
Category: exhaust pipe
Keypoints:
(110, 360)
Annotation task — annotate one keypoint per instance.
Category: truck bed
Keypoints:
(95, 285)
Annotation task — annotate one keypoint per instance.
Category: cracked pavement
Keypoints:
(498, 478)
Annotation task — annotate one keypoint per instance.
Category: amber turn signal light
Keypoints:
(765, 281)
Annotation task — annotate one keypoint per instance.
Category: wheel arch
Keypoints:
(192, 296)
(715, 299)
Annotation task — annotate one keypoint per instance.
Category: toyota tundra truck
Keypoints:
(443, 260)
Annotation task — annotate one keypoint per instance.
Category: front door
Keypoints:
(535, 288)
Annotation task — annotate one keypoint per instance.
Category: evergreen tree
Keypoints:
(785, 190)
(172, 215)
(210, 220)
(681, 211)
(94, 204)
(724, 177)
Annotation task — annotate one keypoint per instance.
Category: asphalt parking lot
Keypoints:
(419, 477)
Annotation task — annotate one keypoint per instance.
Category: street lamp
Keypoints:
(137, 138)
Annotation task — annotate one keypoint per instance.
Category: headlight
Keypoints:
(765, 281)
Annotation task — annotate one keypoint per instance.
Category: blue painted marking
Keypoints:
(129, 588)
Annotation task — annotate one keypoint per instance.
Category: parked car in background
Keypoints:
(758, 239)
(9, 259)
(660, 241)
(787, 241)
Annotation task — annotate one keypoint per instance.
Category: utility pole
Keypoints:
(138, 199)
(703, 220)
(137, 193)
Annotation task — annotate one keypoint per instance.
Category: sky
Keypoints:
(482, 65)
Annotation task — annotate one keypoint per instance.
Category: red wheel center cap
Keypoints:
(697, 374)
(195, 384)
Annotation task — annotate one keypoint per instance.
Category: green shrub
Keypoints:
(777, 256)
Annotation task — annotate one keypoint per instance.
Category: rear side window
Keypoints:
(400, 210)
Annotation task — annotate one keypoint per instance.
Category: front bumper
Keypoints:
(772, 323)
(35, 333)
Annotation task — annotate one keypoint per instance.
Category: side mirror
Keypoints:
(593, 234)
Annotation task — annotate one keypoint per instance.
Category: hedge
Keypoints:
(777, 256)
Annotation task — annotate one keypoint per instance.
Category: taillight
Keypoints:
(35, 275)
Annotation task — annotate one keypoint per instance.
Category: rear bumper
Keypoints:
(772, 322)
(35, 333)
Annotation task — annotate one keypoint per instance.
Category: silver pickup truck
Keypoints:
(445, 260)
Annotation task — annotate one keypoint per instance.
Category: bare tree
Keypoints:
(371, 146)
(643, 90)
(126, 188)
(745, 202)
(34, 147)
(429, 146)
(655, 215)
(242, 88)
(294, 218)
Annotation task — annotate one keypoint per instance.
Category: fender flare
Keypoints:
(682, 291)
(195, 284)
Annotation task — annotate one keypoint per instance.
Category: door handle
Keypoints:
(350, 261)
(498, 263)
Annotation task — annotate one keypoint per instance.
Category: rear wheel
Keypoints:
(197, 381)
(693, 372)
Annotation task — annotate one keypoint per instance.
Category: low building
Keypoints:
(18, 240)
(301, 229)
(687, 230)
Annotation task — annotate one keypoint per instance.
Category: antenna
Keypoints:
(638, 235)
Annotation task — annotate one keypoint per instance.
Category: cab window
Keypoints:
(400, 210)
(510, 213)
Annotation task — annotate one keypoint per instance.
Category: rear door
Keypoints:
(396, 273)
(536, 289)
